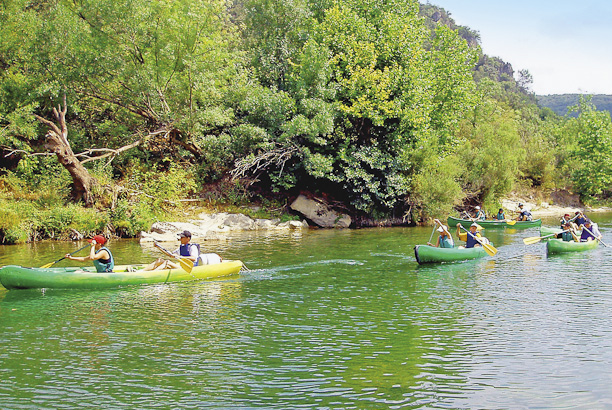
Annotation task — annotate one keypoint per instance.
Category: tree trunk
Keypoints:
(57, 143)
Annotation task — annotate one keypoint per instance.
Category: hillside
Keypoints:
(559, 103)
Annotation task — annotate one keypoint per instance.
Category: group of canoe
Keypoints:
(434, 254)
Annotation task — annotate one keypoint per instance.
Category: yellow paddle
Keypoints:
(48, 265)
(186, 264)
(510, 222)
(490, 249)
(535, 239)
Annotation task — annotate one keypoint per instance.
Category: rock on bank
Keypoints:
(215, 226)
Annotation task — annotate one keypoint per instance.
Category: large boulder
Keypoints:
(319, 212)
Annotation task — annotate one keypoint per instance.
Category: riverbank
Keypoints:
(563, 204)
(211, 226)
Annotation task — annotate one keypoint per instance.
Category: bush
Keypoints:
(436, 189)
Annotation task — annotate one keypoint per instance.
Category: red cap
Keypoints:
(99, 239)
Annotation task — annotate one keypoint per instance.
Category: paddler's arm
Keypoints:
(102, 254)
(92, 252)
(461, 235)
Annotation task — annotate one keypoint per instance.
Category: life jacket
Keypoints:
(580, 221)
(470, 242)
(501, 216)
(185, 250)
(104, 265)
(446, 242)
(567, 236)
(585, 235)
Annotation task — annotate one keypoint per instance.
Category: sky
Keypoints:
(566, 45)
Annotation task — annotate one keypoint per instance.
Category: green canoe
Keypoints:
(18, 277)
(548, 230)
(493, 223)
(431, 254)
(554, 246)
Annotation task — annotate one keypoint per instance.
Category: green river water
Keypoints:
(323, 319)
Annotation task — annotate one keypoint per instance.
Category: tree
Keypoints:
(57, 143)
(525, 80)
(365, 92)
(593, 177)
(168, 72)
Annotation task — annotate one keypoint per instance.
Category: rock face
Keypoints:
(215, 226)
(320, 213)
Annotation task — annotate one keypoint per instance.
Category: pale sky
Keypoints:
(566, 45)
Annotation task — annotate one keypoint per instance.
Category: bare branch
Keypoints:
(29, 154)
(110, 152)
(49, 124)
(277, 157)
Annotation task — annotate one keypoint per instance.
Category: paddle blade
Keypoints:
(532, 240)
(186, 264)
(490, 249)
(510, 222)
(48, 265)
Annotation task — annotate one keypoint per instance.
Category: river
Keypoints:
(323, 319)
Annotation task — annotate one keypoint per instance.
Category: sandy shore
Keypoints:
(544, 209)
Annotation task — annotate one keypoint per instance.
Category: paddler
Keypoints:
(591, 232)
(501, 215)
(524, 214)
(445, 240)
(98, 253)
(470, 241)
(479, 214)
(569, 233)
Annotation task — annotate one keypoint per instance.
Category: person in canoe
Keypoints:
(501, 215)
(445, 240)
(565, 219)
(524, 214)
(98, 253)
(569, 232)
(479, 214)
(470, 241)
(186, 250)
(591, 232)
(580, 218)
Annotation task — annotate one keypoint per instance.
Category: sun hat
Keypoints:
(442, 228)
(477, 207)
(475, 224)
(520, 204)
(98, 238)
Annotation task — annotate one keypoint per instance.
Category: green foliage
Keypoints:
(367, 86)
(159, 188)
(383, 105)
(24, 221)
(593, 151)
(436, 189)
(493, 151)
(129, 219)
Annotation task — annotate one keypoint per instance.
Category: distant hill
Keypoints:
(560, 102)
